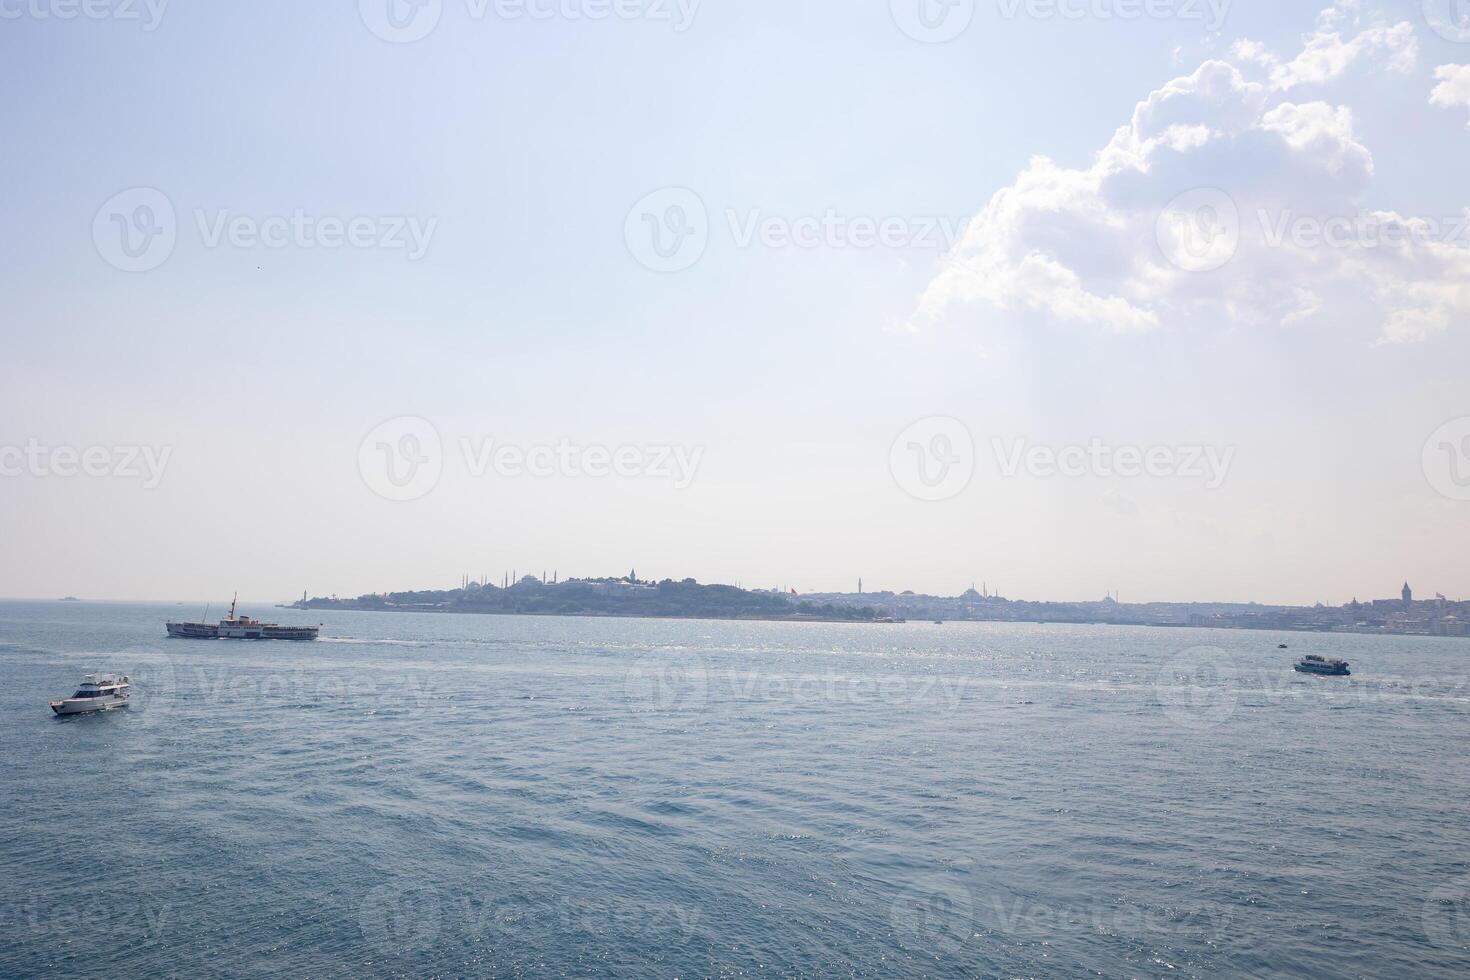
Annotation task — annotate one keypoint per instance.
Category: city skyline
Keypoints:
(981, 588)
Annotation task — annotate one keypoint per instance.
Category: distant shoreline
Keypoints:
(598, 615)
(345, 607)
(629, 597)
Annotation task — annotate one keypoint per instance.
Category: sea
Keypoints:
(421, 795)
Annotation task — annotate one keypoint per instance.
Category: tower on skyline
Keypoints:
(1408, 594)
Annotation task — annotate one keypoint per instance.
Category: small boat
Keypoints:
(97, 692)
(1328, 666)
(1281, 646)
(240, 628)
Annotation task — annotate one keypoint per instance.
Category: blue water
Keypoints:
(421, 795)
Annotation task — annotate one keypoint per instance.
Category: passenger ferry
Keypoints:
(1313, 664)
(241, 628)
(97, 692)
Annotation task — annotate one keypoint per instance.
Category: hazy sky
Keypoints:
(835, 277)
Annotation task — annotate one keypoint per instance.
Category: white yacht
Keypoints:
(97, 692)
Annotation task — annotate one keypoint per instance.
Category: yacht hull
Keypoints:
(87, 706)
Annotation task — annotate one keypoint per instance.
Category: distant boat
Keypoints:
(1327, 666)
(69, 598)
(242, 628)
(1281, 646)
(97, 692)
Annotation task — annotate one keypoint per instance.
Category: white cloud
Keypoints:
(1453, 88)
(1260, 176)
(1326, 55)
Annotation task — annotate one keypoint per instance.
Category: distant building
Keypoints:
(1408, 595)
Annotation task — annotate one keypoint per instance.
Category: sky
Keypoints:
(1162, 298)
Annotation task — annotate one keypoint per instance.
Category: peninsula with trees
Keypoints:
(687, 599)
(626, 596)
